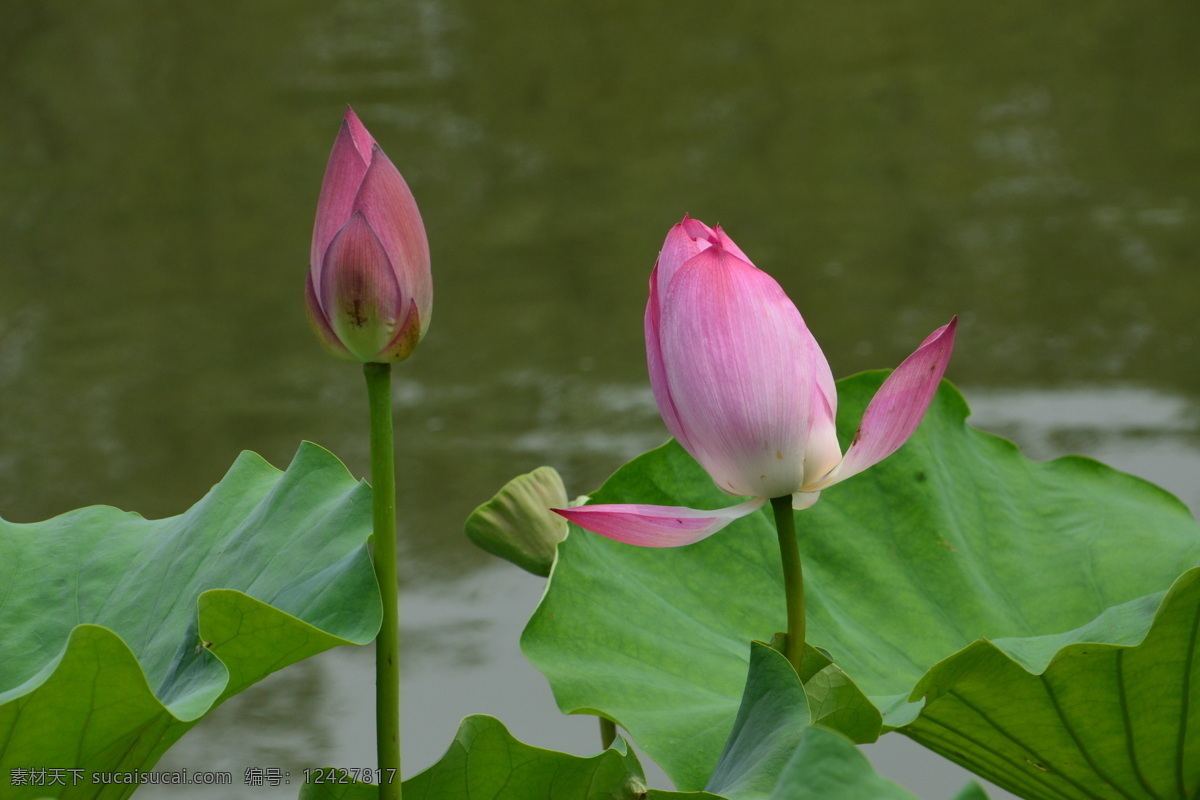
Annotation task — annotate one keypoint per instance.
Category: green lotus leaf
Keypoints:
(353, 790)
(485, 762)
(771, 722)
(834, 700)
(972, 791)
(827, 765)
(518, 525)
(955, 538)
(772, 754)
(1119, 718)
(120, 633)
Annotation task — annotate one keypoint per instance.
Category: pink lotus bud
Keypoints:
(744, 387)
(369, 292)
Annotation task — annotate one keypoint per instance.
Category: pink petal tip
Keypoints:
(898, 407)
(656, 526)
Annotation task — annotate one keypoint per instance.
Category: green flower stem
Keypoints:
(608, 733)
(793, 578)
(387, 644)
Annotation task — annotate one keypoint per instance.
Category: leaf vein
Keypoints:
(1128, 724)
(1079, 745)
(1019, 743)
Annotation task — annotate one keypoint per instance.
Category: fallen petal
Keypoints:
(656, 526)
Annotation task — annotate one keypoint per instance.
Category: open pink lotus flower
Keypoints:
(745, 389)
(369, 292)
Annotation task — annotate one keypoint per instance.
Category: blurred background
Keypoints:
(1030, 167)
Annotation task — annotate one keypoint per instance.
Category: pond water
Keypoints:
(1031, 168)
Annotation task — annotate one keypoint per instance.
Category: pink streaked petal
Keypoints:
(723, 239)
(816, 364)
(658, 375)
(683, 242)
(343, 174)
(389, 207)
(363, 140)
(823, 452)
(358, 290)
(698, 230)
(320, 323)
(898, 407)
(656, 526)
(822, 375)
(736, 356)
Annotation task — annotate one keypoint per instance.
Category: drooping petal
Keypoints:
(388, 205)
(343, 175)
(736, 356)
(656, 526)
(358, 291)
(897, 408)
